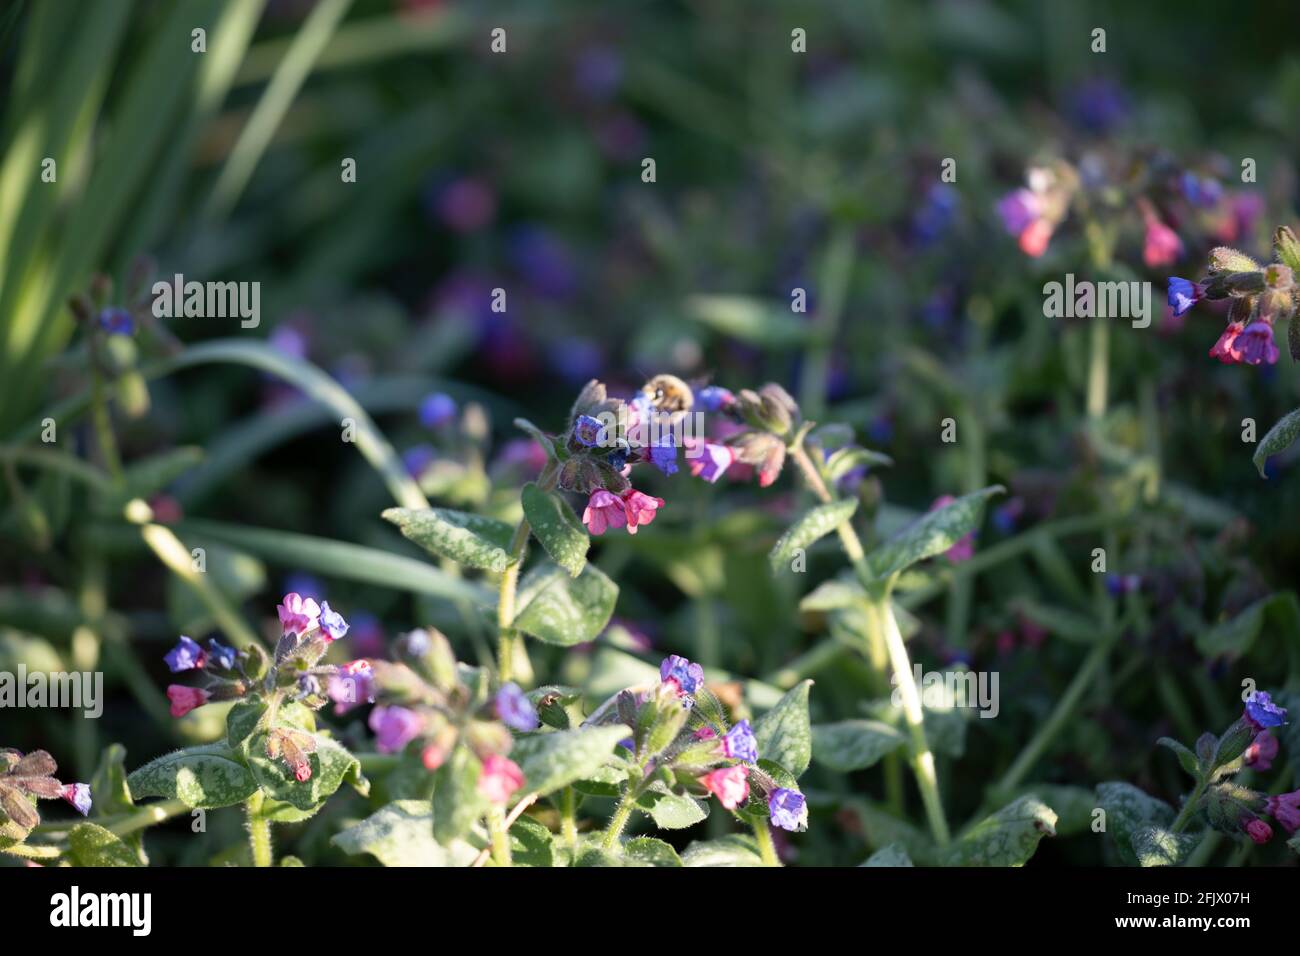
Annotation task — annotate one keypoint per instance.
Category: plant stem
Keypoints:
(766, 848)
(103, 423)
(1189, 808)
(921, 758)
(259, 831)
(619, 820)
(569, 817)
(500, 837)
(1098, 368)
(510, 583)
(150, 816)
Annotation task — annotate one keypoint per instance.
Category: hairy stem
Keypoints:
(620, 818)
(259, 831)
(766, 848)
(569, 817)
(510, 583)
(500, 837)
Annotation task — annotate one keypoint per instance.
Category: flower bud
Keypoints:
(1227, 260)
(428, 652)
(487, 737)
(1234, 742)
(1287, 246)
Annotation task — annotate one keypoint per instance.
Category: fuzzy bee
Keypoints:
(668, 393)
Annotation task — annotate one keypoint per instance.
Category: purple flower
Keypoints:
(1117, 585)
(416, 460)
(1205, 193)
(353, 684)
(332, 625)
(687, 676)
(739, 743)
(713, 398)
(598, 73)
(515, 709)
(437, 409)
(588, 431)
(712, 462)
(1183, 294)
(78, 794)
(664, 458)
(186, 656)
(224, 657)
(788, 809)
(116, 321)
(1018, 210)
(394, 727)
(1262, 712)
(1256, 344)
(289, 340)
(934, 214)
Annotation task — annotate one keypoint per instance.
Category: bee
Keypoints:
(668, 393)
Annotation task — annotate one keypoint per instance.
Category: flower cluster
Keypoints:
(682, 733)
(26, 778)
(1259, 297)
(294, 673)
(430, 706)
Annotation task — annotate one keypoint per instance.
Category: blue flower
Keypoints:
(116, 321)
(78, 794)
(713, 398)
(417, 460)
(588, 431)
(687, 676)
(739, 743)
(1183, 294)
(1262, 712)
(437, 409)
(664, 458)
(332, 624)
(515, 709)
(788, 809)
(224, 657)
(185, 656)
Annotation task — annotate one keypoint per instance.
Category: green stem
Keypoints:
(103, 424)
(150, 816)
(766, 848)
(510, 584)
(500, 837)
(569, 817)
(1189, 808)
(1098, 368)
(259, 831)
(619, 820)
(922, 759)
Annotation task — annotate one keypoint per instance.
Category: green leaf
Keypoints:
(752, 320)
(1157, 846)
(557, 528)
(331, 764)
(672, 811)
(473, 540)
(1006, 838)
(1128, 810)
(1234, 637)
(1073, 805)
(1185, 756)
(841, 462)
(204, 777)
(531, 844)
(89, 844)
(538, 436)
(241, 720)
(931, 534)
(837, 594)
(854, 744)
(554, 760)
(457, 804)
(892, 855)
(1279, 437)
(731, 850)
(784, 733)
(813, 525)
(564, 610)
(882, 828)
(108, 785)
(401, 834)
(651, 852)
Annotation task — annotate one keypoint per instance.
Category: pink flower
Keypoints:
(433, 756)
(78, 794)
(500, 778)
(705, 733)
(1259, 831)
(640, 508)
(1162, 246)
(298, 615)
(729, 784)
(1036, 237)
(302, 771)
(1285, 809)
(184, 699)
(604, 510)
(1226, 349)
(1261, 751)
